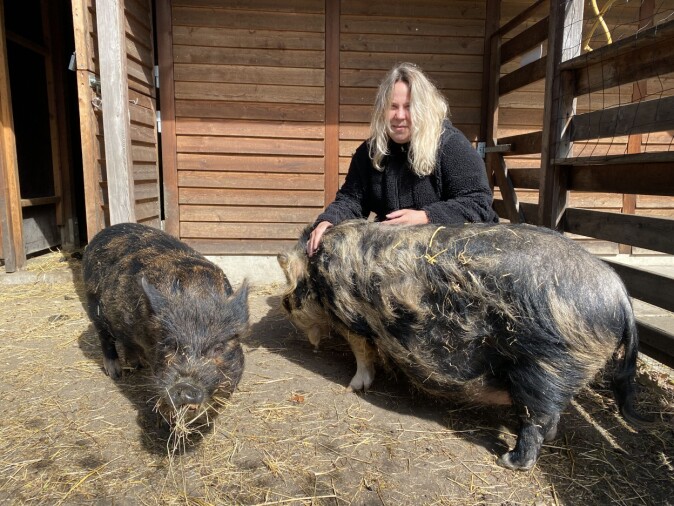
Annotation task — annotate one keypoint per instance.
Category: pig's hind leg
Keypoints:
(534, 430)
(539, 397)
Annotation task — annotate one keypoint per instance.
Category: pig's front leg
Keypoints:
(366, 355)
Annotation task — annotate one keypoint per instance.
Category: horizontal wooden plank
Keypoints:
(640, 117)
(527, 119)
(139, 52)
(252, 110)
(523, 76)
(428, 62)
(262, 57)
(366, 96)
(145, 172)
(143, 154)
(422, 26)
(240, 247)
(525, 178)
(535, 9)
(240, 145)
(219, 196)
(141, 116)
(371, 78)
(253, 20)
(248, 231)
(244, 163)
(646, 54)
(40, 201)
(144, 190)
(524, 41)
(142, 134)
(523, 144)
(639, 178)
(258, 5)
(646, 286)
(656, 343)
(652, 36)
(147, 211)
(528, 211)
(244, 74)
(655, 234)
(403, 44)
(465, 9)
(245, 214)
(250, 93)
(585, 200)
(243, 38)
(236, 128)
(249, 180)
(361, 114)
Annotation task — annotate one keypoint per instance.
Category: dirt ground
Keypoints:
(291, 434)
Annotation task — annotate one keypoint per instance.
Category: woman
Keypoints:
(415, 167)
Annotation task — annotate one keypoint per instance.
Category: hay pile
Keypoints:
(290, 435)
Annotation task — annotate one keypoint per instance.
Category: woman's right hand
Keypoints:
(316, 235)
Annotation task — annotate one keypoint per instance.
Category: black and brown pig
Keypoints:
(491, 314)
(170, 309)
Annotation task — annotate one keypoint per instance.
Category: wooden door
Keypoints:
(138, 66)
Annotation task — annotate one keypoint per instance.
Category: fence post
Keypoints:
(564, 43)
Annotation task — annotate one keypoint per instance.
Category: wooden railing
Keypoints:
(569, 75)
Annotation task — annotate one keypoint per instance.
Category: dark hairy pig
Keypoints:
(490, 314)
(170, 309)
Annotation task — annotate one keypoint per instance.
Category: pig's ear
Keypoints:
(157, 300)
(238, 303)
(304, 236)
(283, 261)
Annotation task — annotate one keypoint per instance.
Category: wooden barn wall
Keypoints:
(271, 99)
(142, 106)
(446, 39)
(249, 82)
(522, 111)
(270, 104)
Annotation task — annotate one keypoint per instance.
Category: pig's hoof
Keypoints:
(112, 368)
(509, 461)
(361, 381)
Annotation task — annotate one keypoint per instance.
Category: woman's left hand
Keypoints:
(406, 217)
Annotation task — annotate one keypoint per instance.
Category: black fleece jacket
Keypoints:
(456, 192)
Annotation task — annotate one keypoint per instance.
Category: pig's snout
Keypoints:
(186, 394)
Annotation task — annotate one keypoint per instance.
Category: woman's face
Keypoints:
(399, 118)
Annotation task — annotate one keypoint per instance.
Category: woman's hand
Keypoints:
(406, 217)
(315, 237)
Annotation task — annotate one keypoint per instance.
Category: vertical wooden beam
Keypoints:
(564, 42)
(166, 105)
(110, 23)
(332, 27)
(497, 170)
(94, 215)
(11, 216)
(639, 90)
(489, 103)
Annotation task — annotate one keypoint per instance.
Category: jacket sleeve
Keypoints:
(350, 201)
(466, 196)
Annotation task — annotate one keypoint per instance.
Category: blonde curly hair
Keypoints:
(428, 110)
